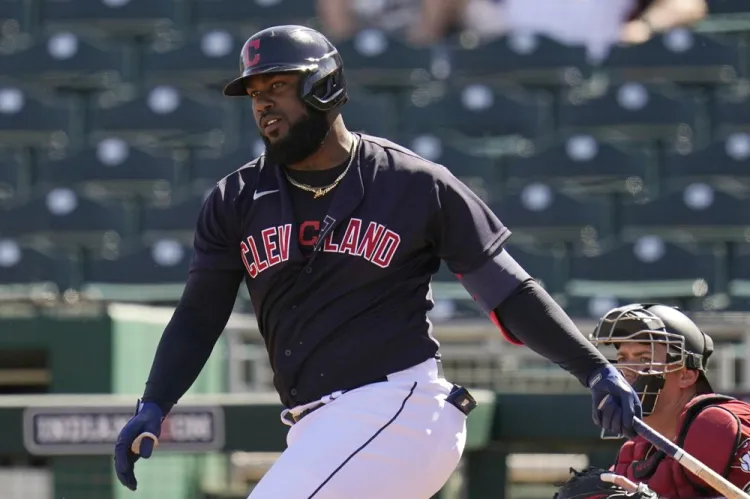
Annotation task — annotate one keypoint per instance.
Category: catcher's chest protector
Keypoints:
(640, 462)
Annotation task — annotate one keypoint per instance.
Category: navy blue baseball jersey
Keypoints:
(341, 298)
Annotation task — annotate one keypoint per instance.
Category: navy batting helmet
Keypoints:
(294, 49)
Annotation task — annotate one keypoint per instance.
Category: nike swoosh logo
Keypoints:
(257, 194)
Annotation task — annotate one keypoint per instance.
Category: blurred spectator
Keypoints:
(594, 23)
(419, 22)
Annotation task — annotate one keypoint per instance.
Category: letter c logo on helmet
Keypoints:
(251, 46)
(294, 49)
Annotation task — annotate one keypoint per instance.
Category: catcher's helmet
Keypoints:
(652, 324)
(282, 49)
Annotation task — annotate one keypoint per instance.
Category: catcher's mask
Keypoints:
(685, 344)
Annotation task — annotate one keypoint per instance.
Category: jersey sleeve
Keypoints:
(469, 237)
(712, 439)
(216, 244)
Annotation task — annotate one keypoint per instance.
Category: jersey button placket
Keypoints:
(288, 353)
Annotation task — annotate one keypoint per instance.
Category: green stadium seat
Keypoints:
(208, 166)
(540, 215)
(111, 168)
(477, 111)
(207, 59)
(728, 7)
(13, 10)
(582, 164)
(175, 221)
(27, 273)
(732, 111)
(253, 14)
(739, 272)
(723, 164)
(153, 273)
(13, 181)
(373, 59)
(59, 216)
(64, 61)
(696, 213)
(371, 113)
(649, 268)
(679, 56)
(164, 116)
(631, 111)
(522, 58)
(33, 120)
(109, 18)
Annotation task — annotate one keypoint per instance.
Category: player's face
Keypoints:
(290, 131)
(640, 357)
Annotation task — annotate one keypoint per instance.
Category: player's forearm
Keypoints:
(534, 318)
(190, 336)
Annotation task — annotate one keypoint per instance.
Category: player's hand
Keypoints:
(137, 439)
(635, 32)
(615, 403)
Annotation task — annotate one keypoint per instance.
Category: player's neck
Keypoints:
(667, 419)
(336, 149)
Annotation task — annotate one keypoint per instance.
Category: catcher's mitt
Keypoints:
(587, 484)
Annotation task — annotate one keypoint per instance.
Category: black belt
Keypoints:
(459, 396)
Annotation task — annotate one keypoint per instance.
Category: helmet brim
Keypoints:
(236, 87)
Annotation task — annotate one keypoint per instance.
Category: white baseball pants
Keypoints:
(398, 439)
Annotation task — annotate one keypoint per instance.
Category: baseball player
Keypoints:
(336, 235)
(664, 355)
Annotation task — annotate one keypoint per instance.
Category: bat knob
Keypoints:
(135, 447)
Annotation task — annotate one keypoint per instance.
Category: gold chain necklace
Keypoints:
(322, 191)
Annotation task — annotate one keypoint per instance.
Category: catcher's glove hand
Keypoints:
(588, 484)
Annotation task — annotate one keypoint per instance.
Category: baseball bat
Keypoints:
(135, 447)
(718, 482)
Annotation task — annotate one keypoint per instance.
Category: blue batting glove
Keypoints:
(146, 421)
(615, 403)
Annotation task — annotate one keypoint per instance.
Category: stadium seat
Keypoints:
(111, 168)
(631, 111)
(30, 274)
(210, 166)
(33, 120)
(581, 164)
(374, 60)
(649, 268)
(59, 216)
(679, 56)
(152, 273)
(164, 116)
(540, 215)
(370, 113)
(521, 58)
(64, 61)
(696, 213)
(477, 171)
(201, 59)
(14, 10)
(175, 221)
(108, 17)
(739, 271)
(255, 14)
(13, 180)
(732, 111)
(724, 164)
(730, 7)
(477, 111)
